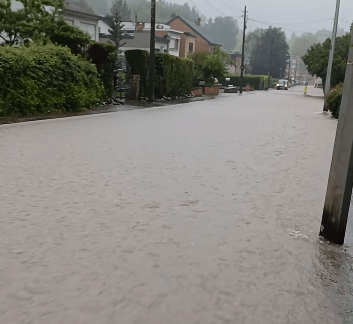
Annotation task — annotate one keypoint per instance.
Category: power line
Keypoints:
(229, 5)
(349, 23)
(215, 8)
(197, 8)
(277, 25)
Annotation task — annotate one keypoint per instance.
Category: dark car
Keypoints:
(282, 85)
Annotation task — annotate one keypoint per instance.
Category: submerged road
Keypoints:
(202, 213)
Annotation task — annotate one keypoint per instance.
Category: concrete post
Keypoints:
(339, 190)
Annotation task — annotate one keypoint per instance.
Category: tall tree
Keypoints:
(116, 30)
(269, 55)
(223, 29)
(122, 8)
(299, 45)
(316, 59)
(251, 40)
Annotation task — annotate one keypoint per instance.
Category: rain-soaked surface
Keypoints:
(199, 213)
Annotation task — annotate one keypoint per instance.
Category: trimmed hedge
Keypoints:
(44, 79)
(334, 99)
(259, 82)
(173, 75)
(104, 56)
(138, 61)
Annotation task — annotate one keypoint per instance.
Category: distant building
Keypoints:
(203, 41)
(234, 66)
(137, 36)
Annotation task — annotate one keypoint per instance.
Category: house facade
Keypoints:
(234, 66)
(83, 19)
(202, 42)
(137, 36)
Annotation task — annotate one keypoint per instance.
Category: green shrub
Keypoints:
(138, 61)
(44, 79)
(173, 75)
(209, 65)
(334, 100)
(105, 57)
(259, 82)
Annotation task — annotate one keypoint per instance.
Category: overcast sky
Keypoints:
(301, 15)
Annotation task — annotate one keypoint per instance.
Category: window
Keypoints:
(90, 29)
(191, 48)
(176, 44)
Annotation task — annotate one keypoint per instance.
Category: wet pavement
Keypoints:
(199, 213)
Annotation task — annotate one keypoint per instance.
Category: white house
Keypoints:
(137, 36)
(84, 19)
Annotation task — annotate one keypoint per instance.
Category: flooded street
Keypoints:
(202, 213)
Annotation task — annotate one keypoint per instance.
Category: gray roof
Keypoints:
(73, 7)
(211, 39)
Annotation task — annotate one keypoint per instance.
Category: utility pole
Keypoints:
(152, 51)
(339, 189)
(289, 68)
(332, 54)
(295, 72)
(243, 56)
(270, 65)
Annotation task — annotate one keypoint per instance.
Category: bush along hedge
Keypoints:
(334, 99)
(259, 82)
(104, 56)
(173, 75)
(139, 64)
(44, 79)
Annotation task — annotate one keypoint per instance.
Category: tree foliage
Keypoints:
(27, 22)
(334, 100)
(269, 54)
(225, 30)
(44, 79)
(164, 10)
(61, 33)
(209, 65)
(35, 22)
(120, 7)
(316, 59)
(116, 29)
(298, 46)
(104, 56)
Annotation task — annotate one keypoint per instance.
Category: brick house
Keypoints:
(202, 41)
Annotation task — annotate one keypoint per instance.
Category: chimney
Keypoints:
(140, 26)
(198, 22)
(173, 15)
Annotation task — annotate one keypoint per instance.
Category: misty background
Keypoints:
(222, 19)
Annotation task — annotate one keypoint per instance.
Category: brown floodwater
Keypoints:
(198, 213)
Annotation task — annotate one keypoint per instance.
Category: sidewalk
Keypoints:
(130, 105)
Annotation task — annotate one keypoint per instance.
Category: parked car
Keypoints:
(282, 85)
